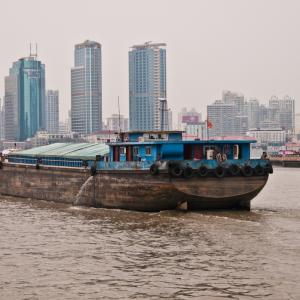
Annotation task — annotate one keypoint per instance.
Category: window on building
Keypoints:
(135, 150)
(148, 150)
(122, 150)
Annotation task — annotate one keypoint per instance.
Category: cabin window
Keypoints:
(148, 150)
(236, 151)
(188, 152)
(122, 150)
(135, 150)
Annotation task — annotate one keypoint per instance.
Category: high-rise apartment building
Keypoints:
(221, 116)
(52, 111)
(229, 97)
(147, 87)
(24, 101)
(283, 112)
(86, 88)
(117, 123)
(252, 111)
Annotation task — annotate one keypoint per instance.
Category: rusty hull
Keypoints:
(132, 190)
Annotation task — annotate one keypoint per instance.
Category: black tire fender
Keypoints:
(234, 170)
(176, 170)
(219, 172)
(259, 170)
(202, 171)
(247, 171)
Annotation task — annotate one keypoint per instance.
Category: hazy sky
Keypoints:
(248, 46)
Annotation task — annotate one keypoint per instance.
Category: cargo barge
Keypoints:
(144, 171)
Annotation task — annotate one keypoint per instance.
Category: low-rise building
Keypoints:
(268, 136)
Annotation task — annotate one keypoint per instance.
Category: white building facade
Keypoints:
(52, 111)
(86, 88)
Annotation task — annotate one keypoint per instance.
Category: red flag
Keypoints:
(209, 124)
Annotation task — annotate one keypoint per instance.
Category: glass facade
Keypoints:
(147, 85)
(25, 99)
(86, 88)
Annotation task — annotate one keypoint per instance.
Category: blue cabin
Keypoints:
(141, 149)
(168, 145)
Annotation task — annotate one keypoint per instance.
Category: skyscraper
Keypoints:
(86, 88)
(24, 101)
(147, 87)
(221, 115)
(52, 111)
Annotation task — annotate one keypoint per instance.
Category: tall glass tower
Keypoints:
(24, 101)
(86, 88)
(147, 87)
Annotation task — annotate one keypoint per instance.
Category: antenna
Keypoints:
(31, 54)
(119, 115)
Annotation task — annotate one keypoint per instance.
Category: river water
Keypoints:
(51, 251)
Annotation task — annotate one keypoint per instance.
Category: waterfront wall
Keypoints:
(285, 163)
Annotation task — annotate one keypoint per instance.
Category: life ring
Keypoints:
(259, 170)
(154, 170)
(202, 171)
(234, 170)
(269, 168)
(93, 170)
(187, 172)
(219, 172)
(247, 171)
(176, 170)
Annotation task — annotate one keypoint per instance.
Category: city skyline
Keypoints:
(258, 57)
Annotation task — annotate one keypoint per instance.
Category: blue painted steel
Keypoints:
(140, 155)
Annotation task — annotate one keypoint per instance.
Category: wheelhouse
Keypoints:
(168, 145)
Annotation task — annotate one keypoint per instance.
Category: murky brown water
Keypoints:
(50, 251)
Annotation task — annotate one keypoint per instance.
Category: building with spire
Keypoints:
(24, 100)
(86, 88)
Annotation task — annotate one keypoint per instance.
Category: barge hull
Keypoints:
(132, 190)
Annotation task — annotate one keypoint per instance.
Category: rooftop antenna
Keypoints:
(31, 54)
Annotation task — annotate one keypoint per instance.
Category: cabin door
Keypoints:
(188, 152)
(198, 151)
(116, 153)
(129, 153)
